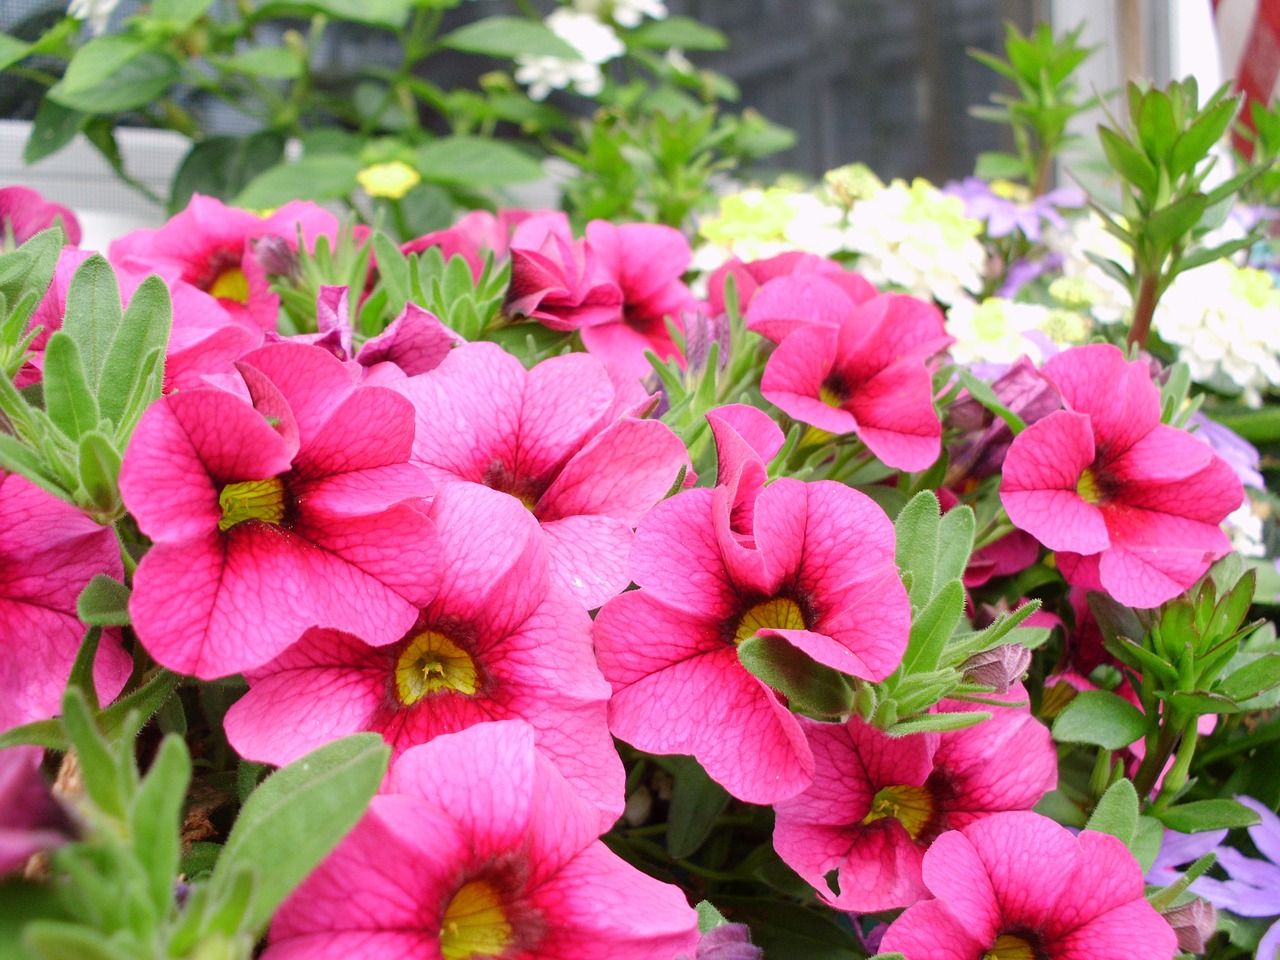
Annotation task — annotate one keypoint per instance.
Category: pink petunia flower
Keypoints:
(646, 261)
(746, 440)
(210, 246)
(877, 802)
(1021, 886)
(478, 848)
(1133, 506)
(821, 577)
(49, 550)
(864, 370)
(498, 641)
(25, 212)
(750, 277)
(786, 304)
(560, 439)
(299, 509)
(556, 280)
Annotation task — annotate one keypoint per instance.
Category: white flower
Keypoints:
(1244, 526)
(1087, 283)
(595, 41)
(626, 13)
(994, 331)
(97, 12)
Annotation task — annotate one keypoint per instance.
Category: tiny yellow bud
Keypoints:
(391, 180)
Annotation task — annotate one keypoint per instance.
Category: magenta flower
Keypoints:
(49, 550)
(865, 372)
(749, 277)
(877, 802)
(1021, 886)
(210, 246)
(556, 280)
(299, 509)
(825, 298)
(746, 440)
(645, 261)
(30, 819)
(498, 641)
(25, 212)
(559, 439)
(1133, 506)
(479, 850)
(821, 577)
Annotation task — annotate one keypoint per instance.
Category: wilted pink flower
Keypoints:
(49, 550)
(864, 370)
(210, 246)
(478, 848)
(877, 802)
(30, 819)
(299, 510)
(559, 439)
(1132, 506)
(25, 212)
(556, 280)
(981, 451)
(1020, 885)
(821, 577)
(645, 261)
(498, 641)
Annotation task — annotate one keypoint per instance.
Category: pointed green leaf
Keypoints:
(104, 602)
(68, 399)
(1117, 812)
(939, 723)
(104, 781)
(98, 463)
(144, 327)
(696, 803)
(917, 529)
(296, 817)
(156, 819)
(1194, 143)
(1201, 815)
(932, 627)
(93, 315)
(509, 37)
(475, 161)
(329, 176)
(1129, 162)
(709, 917)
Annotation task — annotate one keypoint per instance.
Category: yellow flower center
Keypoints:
(474, 924)
(776, 614)
(391, 180)
(1009, 947)
(230, 285)
(830, 396)
(261, 500)
(1087, 487)
(433, 662)
(911, 806)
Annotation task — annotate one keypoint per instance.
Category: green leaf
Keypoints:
(30, 268)
(271, 63)
(55, 126)
(21, 904)
(145, 701)
(955, 543)
(67, 397)
(329, 176)
(104, 781)
(1117, 812)
(475, 161)
(177, 15)
(1129, 162)
(1201, 815)
(1171, 223)
(93, 315)
(807, 684)
(932, 627)
(1194, 143)
(918, 527)
(113, 74)
(54, 940)
(222, 166)
(1253, 678)
(505, 37)
(683, 33)
(939, 723)
(99, 465)
(788, 931)
(982, 392)
(11, 50)
(709, 917)
(1146, 841)
(156, 819)
(998, 165)
(81, 675)
(390, 14)
(144, 327)
(696, 803)
(104, 602)
(1100, 718)
(296, 817)
(1155, 123)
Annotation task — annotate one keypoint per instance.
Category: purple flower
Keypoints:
(729, 941)
(30, 819)
(1004, 215)
(1253, 889)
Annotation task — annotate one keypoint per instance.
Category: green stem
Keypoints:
(1159, 748)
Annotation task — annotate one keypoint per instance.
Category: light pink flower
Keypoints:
(556, 280)
(49, 550)
(821, 577)
(478, 848)
(297, 510)
(1133, 506)
(877, 802)
(498, 641)
(863, 369)
(646, 261)
(26, 213)
(1020, 884)
(559, 438)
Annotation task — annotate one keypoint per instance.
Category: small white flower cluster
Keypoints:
(625, 13)
(1224, 320)
(999, 330)
(915, 237)
(1083, 283)
(595, 40)
(1245, 528)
